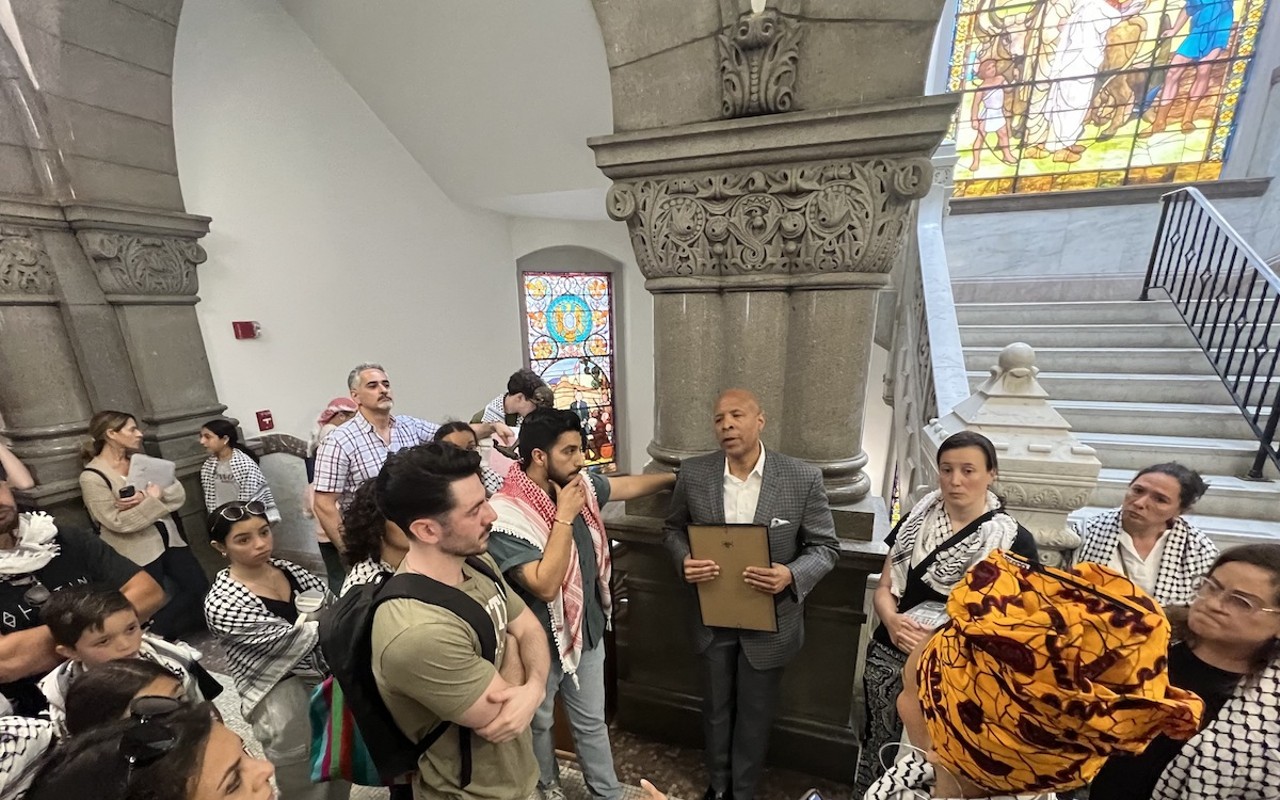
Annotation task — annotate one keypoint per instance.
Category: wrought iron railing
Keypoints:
(1230, 299)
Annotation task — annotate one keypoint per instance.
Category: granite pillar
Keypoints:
(766, 164)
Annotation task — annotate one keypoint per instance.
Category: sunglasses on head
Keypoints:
(149, 739)
(234, 512)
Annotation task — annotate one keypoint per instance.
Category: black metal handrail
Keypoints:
(1230, 299)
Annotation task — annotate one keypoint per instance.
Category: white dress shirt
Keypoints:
(742, 496)
(1142, 571)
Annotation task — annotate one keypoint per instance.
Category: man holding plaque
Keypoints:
(742, 668)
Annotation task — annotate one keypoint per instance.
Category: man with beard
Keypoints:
(742, 670)
(36, 558)
(551, 544)
(355, 452)
(427, 661)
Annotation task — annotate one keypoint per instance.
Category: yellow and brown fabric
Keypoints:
(1043, 673)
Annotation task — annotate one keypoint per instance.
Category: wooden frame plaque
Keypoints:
(727, 601)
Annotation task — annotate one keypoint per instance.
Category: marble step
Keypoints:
(1226, 532)
(1107, 386)
(1079, 335)
(1068, 313)
(1171, 360)
(1228, 495)
(1159, 419)
(1206, 456)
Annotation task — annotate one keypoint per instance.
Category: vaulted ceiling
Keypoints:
(494, 98)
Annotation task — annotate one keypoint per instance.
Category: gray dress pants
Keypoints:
(738, 705)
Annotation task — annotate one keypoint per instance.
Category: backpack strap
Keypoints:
(412, 586)
(97, 528)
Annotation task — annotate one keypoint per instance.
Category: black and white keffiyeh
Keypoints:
(35, 545)
(23, 741)
(927, 528)
(262, 648)
(365, 572)
(912, 778)
(1188, 555)
(1236, 755)
(249, 478)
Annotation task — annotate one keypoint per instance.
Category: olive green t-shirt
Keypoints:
(428, 667)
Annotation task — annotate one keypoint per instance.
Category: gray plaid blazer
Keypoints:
(804, 540)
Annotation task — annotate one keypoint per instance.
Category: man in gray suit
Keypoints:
(743, 669)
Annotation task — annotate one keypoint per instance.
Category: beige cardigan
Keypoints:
(132, 533)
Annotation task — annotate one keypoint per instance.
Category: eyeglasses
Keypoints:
(234, 512)
(148, 741)
(1234, 602)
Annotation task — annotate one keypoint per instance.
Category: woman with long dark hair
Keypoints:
(231, 471)
(933, 546)
(141, 523)
(272, 650)
(372, 545)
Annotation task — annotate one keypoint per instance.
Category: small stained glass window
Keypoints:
(569, 336)
(1089, 94)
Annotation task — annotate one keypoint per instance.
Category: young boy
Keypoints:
(91, 626)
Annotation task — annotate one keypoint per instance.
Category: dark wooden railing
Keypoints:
(1230, 299)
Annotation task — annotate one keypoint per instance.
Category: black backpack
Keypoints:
(346, 639)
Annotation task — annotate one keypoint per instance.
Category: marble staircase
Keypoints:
(1134, 384)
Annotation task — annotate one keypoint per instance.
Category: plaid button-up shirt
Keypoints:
(353, 453)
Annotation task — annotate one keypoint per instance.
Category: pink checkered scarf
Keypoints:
(527, 513)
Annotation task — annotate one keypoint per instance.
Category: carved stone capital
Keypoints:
(758, 57)
(133, 264)
(25, 268)
(796, 220)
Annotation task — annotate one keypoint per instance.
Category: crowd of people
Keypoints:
(1150, 669)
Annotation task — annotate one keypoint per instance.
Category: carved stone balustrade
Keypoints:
(1045, 472)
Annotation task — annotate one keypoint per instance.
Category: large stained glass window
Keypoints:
(569, 324)
(1089, 94)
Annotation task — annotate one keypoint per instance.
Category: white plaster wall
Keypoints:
(634, 337)
(327, 232)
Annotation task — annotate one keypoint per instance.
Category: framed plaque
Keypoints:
(727, 601)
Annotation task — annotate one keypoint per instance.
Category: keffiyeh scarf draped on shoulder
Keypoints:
(36, 545)
(263, 649)
(910, 777)
(1188, 555)
(527, 513)
(1042, 674)
(927, 528)
(23, 742)
(1235, 755)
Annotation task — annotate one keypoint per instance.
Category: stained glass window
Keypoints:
(1090, 94)
(569, 324)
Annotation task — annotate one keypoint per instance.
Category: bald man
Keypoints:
(742, 670)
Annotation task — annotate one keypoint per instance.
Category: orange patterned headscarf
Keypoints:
(1043, 673)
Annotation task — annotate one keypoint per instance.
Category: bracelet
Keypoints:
(562, 522)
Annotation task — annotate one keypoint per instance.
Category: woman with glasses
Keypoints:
(273, 651)
(1230, 656)
(1148, 540)
(166, 750)
(141, 524)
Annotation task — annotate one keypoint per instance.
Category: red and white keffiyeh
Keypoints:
(527, 513)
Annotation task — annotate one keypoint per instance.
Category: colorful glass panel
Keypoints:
(569, 326)
(1063, 95)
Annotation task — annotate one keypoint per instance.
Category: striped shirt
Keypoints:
(354, 452)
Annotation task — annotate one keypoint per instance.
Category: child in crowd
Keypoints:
(92, 626)
(231, 471)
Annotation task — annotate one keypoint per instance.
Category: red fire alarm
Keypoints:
(246, 330)
(265, 421)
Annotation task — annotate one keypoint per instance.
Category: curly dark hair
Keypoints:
(363, 525)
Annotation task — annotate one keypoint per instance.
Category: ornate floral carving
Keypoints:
(758, 58)
(815, 218)
(1039, 496)
(24, 264)
(131, 264)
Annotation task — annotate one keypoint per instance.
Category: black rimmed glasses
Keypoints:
(1235, 602)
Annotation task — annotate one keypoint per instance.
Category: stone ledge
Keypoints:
(1116, 196)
